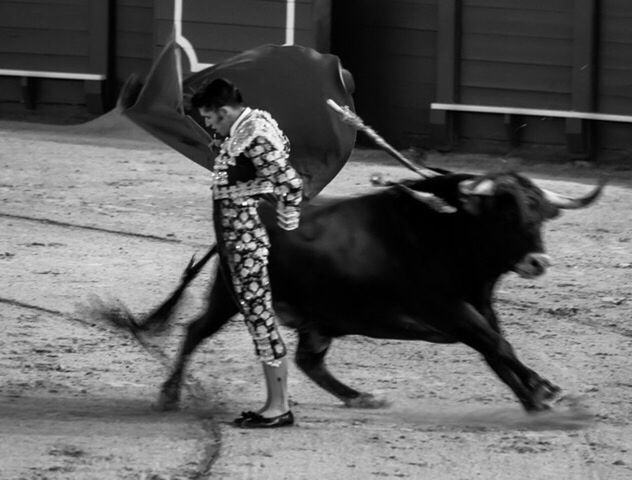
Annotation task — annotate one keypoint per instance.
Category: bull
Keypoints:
(417, 260)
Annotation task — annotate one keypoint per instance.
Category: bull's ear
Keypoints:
(476, 186)
(472, 192)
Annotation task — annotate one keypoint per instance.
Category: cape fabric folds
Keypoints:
(293, 83)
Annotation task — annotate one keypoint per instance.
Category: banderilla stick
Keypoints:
(350, 118)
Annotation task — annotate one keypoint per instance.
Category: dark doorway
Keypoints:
(389, 47)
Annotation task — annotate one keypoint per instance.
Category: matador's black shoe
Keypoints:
(244, 415)
(255, 420)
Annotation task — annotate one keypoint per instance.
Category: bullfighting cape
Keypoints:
(293, 83)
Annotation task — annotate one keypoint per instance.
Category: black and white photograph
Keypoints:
(315, 239)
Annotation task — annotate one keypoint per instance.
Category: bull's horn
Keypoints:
(560, 201)
(429, 199)
(477, 187)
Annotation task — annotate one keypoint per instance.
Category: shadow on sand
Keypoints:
(568, 414)
(571, 413)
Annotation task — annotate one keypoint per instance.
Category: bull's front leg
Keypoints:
(542, 390)
(472, 328)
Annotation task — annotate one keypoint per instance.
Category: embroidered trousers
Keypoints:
(244, 247)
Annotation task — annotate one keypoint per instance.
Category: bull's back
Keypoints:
(364, 247)
(336, 239)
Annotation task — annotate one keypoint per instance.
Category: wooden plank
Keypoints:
(224, 37)
(399, 15)
(134, 45)
(538, 5)
(28, 90)
(126, 66)
(450, 22)
(76, 3)
(44, 16)
(216, 56)
(412, 94)
(536, 112)
(616, 30)
(9, 89)
(524, 23)
(386, 3)
(449, 50)
(321, 24)
(516, 98)
(96, 99)
(616, 83)
(34, 41)
(396, 124)
(46, 63)
(238, 12)
(134, 20)
(305, 37)
(615, 56)
(506, 76)
(615, 9)
(42, 62)
(416, 96)
(512, 49)
(67, 75)
(408, 119)
(614, 75)
(148, 4)
(60, 91)
(614, 136)
(386, 70)
(396, 41)
(583, 86)
(539, 131)
(99, 37)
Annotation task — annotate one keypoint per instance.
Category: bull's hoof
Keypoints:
(544, 397)
(367, 400)
(166, 403)
(570, 402)
(547, 394)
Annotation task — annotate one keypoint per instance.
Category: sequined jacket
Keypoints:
(254, 161)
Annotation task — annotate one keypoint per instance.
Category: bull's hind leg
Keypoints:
(310, 357)
(221, 308)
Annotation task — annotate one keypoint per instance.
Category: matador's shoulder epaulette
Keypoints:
(258, 123)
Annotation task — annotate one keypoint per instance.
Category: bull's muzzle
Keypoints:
(532, 265)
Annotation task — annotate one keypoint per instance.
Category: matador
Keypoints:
(252, 161)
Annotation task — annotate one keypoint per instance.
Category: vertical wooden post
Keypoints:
(27, 86)
(448, 53)
(99, 56)
(321, 21)
(513, 126)
(162, 10)
(579, 134)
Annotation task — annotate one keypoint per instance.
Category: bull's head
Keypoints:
(518, 208)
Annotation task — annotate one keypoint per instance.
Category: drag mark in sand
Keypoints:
(211, 449)
(89, 227)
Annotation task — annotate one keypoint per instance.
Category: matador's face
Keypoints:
(219, 120)
(213, 118)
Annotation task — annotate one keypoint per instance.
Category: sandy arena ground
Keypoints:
(102, 209)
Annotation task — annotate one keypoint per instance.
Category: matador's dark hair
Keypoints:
(219, 93)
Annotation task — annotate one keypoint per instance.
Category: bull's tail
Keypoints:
(118, 314)
(159, 318)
